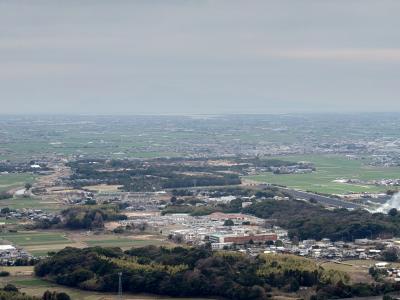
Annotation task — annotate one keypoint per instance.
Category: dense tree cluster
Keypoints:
(88, 217)
(390, 254)
(5, 195)
(48, 295)
(183, 271)
(341, 290)
(228, 191)
(83, 217)
(20, 167)
(156, 174)
(305, 220)
(11, 292)
(188, 204)
(161, 173)
(5, 295)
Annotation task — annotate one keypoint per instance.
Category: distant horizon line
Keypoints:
(196, 114)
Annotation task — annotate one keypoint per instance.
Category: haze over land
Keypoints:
(177, 57)
(245, 150)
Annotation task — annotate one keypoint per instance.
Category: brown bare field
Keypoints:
(103, 188)
(111, 225)
(142, 213)
(125, 241)
(357, 269)
(62, 190)
(18, 271)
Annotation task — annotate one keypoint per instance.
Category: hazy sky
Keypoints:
(174, 57)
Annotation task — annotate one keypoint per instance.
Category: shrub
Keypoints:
(4, 273)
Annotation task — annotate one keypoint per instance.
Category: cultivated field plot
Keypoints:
(38, 243)
(8, 221)
(103, 188)
(30, 203)
(13, 181)
(124, 242)
(18, 271)
(358, 270)
(34, 238)
(330, 168)
(79, 141)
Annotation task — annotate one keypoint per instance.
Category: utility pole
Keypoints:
(120, 286)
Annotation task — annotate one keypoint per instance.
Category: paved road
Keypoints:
(321, 199)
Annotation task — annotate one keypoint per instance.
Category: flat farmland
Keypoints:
(38, 243)
(27, 238)
(329, 169)
(8, 221)
(121, 144)
(13, 181)
(30, 202)
(124, 242)
(357, 269)
(103, 188)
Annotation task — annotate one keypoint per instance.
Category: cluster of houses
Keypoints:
(386, 160)
(297, 168)
(391, 272)
(379, 182)
(301, 168)
(273, 242)
(29, 214)
(327, 249)
(9, 254)
(359, 249)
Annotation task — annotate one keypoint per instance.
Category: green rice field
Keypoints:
(38, 243)
(29, 202)
(34, 238)
(12, 181)
(330, 168)
(122, 242)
